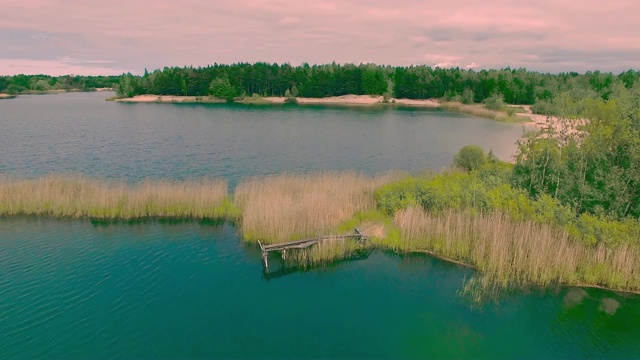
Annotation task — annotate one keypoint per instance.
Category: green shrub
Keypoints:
(470, 157)
(495, 102)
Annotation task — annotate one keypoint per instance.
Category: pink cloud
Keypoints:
(289, 20)
(58, 67)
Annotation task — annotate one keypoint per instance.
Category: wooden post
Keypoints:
(265, 256)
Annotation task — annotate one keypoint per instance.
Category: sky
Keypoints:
(111, 37)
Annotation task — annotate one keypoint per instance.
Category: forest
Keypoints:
(515, 86)
(20, 84)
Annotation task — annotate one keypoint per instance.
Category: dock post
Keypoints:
(265, 256)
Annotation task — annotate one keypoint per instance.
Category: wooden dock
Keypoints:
(303, 244)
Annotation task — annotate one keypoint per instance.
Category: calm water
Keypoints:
(81, 133)
(71, 288)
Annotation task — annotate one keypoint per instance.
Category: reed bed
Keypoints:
(476, 109)
(512, 254)
(81, 197)
(324, 253)
(287, 207)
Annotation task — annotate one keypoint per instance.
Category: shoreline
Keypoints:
(416, 231)
(52, 92)
(365, 100)
(7, 96)
(527, 118)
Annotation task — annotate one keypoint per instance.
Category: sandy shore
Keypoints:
(355, 100)
(333, 100)
(6, 96)
(544, 122)
(148, 98)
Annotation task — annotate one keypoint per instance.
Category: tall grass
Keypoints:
(79, 197)
(324, 252)
(517, 254)
(480, 110)
(287, 207)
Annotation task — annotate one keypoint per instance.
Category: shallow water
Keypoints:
(150, 289)
(71, 288)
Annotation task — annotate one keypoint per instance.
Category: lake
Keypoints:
(180, 289)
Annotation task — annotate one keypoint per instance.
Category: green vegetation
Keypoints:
(592, 166)
(470, 157)
(492, 87)
(475, 218)
(255, 99)
(221, 88)
(41, 84)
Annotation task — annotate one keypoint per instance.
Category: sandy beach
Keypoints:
(356, 100)
(542, 122)
(148, 98)
(6, 96)
(333, 100)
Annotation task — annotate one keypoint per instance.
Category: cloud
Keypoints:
(61, 66)
(447, 64)
(473, 65)
(289, 20)
(545, 35)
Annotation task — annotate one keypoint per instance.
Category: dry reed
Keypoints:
(517, 254)
(475, 109)
(285, 207)
(77, 196)
(325, 252)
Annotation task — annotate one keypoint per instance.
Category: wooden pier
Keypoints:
(303, 244)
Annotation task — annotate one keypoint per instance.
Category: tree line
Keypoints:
(515, 86)
(20, 84)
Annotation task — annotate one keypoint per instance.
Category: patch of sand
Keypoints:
(541, 122)
(413, 102)
(355, 100)
(6, 96)
(148, 98)
(331, 100)
(344, 99)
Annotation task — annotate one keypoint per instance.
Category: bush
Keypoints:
(289, 98)
(495, 102)
(470, 157)
(467, 96)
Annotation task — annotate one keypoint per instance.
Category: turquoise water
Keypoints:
(76, 289)
(167, 289)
